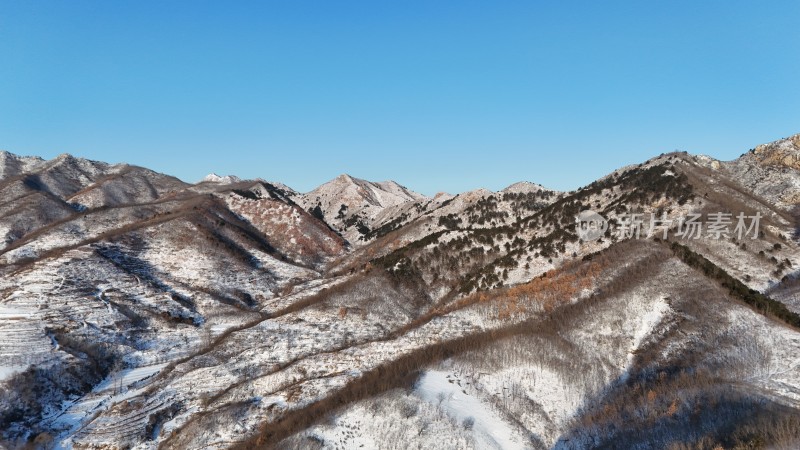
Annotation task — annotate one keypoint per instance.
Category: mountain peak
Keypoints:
(524, 187)
(784, 152)
(12, 164)
(351, 204)
(367, 188)
(64, 157)
(214, 178)
(8, 156)
(345, 178)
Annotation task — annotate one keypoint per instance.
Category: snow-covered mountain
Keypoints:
(13, 165)
(355, 206)
(214, 178)
(771, 171)
(524, 187)
(138, 311)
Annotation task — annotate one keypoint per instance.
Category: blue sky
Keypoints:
(438, 95)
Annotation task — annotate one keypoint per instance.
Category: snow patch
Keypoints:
(489, 430)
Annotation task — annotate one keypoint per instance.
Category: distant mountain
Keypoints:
(525, 187)
(214, 178)
(73, 201)
(353, 206)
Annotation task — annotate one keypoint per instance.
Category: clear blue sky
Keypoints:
(438, 95)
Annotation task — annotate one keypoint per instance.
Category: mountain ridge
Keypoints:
(784, 152)
(138, 311)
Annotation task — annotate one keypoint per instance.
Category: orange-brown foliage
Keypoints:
(555, 288)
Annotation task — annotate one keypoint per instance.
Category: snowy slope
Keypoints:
(138, 311)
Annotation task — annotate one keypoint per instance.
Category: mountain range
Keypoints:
(141, 311)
